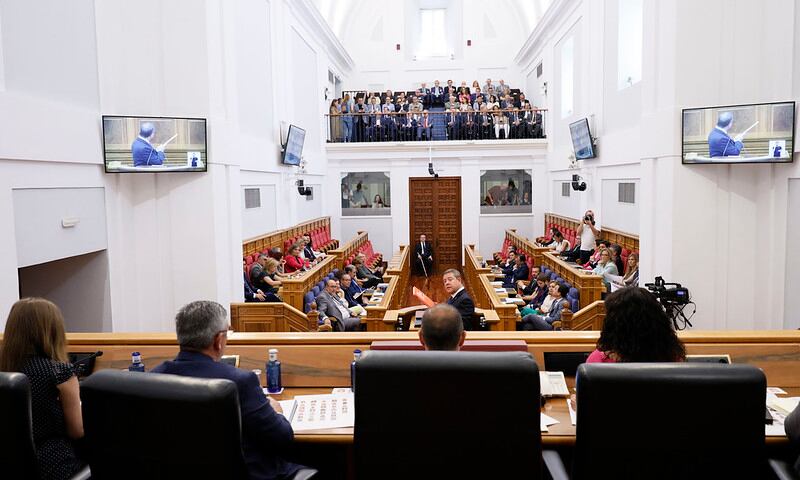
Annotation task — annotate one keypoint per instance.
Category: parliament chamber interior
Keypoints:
(455, 219)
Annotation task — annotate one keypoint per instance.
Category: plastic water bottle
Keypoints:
(356, 356)
(137, 365)
(399, 326)
(273, 372)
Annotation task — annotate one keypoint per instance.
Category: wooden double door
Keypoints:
(435, 210)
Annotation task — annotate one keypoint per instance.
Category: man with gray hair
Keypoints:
(142, 151)
(442, 328)
(202, 328)
(720, 144)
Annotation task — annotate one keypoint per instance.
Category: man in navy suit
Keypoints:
(459, 298)
(202, 329)
(143, 152)
(720, 144)
(352, 292)
(518, 272)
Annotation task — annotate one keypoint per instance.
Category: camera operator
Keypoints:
(588, 234)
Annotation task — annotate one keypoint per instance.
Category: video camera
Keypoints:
(673, 297)
(669, 292)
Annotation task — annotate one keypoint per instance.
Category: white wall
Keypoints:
(695, 222)
(618, 215)
(171, 238)
(460, 159)
(371, 30)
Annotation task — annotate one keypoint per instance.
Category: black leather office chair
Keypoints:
(161, 426)
(17, 450)
(669, 421)
(447, 415)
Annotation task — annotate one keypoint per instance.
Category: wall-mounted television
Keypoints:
(582, 139)
(750, 133)
(293, 150)
(154, 144)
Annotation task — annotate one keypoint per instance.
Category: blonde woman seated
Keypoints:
(605, 266)
(559, 243)
(631, 278)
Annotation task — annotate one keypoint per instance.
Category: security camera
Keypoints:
(578, 184)
(430, 170)
(302, 190)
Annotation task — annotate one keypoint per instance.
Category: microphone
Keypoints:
(96, 354)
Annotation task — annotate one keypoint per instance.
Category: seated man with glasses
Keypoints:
(202, 329)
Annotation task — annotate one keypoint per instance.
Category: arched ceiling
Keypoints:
(345, 16)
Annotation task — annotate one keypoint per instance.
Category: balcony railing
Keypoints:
(436, 126)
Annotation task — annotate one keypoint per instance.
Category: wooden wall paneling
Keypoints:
(323, 359)
(435, 210)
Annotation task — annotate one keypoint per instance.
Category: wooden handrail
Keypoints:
(276, 238)
(626, 240)
(590, 317)
(271, 317)
(478, 284)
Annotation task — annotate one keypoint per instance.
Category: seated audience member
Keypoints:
(277, 254)
(368, 277)
(202, 329)
(559, 243)
(294, 261)
(511, 260)
(605, 266)
(545, 322)
(335, 309)
(636, 329)
(424, 127)
(34, 344)
(631, 278)
(346, 285)
(502, 88)
(357, 283)
(251, 294)
(527, 289)
(616, 256)
(442, 328)
(595, 257)
(518, 272)
(483, 121)
(500, 123)
(308, 250)
(264, 278)
(534, 297)
(547, 242)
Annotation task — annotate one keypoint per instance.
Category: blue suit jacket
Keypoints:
(144, 154)
(264, 431)
(720, 144)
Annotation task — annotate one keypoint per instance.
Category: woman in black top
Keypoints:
(34, 344)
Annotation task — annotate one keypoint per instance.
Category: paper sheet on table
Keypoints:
(573, 416)
(545, 421)
(317, 412)
(784, 405)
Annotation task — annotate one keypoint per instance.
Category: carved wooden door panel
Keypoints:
(435, 210)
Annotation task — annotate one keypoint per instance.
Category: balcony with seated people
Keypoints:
(441, 113)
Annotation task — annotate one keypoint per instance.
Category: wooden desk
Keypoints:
(589, 285)
(561, 434)
(295, 288)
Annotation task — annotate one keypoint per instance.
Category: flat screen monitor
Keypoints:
(154, 144)
(293, 150)
(751, 133)
(582, 139)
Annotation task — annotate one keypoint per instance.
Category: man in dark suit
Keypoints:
(518, 272)
(331, 306)
(423, 256)
(352, 292)
(202, 329)
(459, 298)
